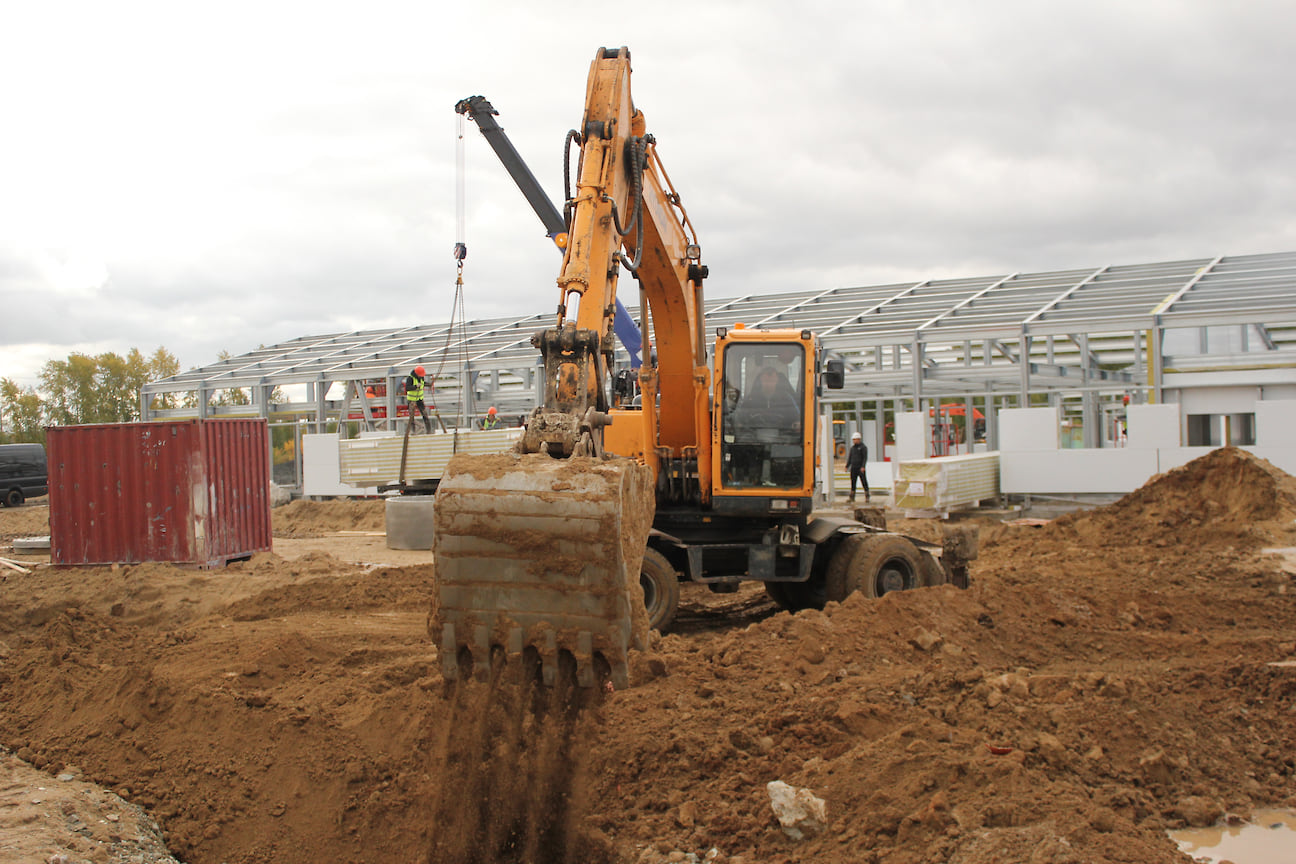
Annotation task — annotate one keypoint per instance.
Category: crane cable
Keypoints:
(457, 315)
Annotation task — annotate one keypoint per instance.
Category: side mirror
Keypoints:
(834, 373)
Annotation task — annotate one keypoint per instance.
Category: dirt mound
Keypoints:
(304, 518)
(1226, 495)
(301, 518)
(80, 818)
(29, 520)
(1102, 680)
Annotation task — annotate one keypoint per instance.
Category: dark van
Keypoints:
(23, 473)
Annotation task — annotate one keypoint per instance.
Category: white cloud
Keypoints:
(220, 179)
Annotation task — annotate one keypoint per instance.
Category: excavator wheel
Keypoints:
(875, 564)
(661, 590)
(537, 562)
(836, 582)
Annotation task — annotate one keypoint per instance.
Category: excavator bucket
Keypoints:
(537, 561)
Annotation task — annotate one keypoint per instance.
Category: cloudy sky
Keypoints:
(210, 177)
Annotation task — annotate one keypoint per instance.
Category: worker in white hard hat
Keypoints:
(856, 461)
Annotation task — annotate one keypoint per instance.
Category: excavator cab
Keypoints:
(765, 393)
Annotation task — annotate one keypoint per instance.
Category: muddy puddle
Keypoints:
(1269, 838)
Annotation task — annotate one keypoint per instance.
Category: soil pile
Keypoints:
(303, 518)
(75, 818)
(29, 520)
(1225, 496)
(1105, 677)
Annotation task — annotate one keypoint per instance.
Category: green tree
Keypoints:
(69, 388)
(22, 413)
(104, 388)
(163, 364)
(118, 382)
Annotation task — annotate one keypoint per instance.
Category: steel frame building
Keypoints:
(1085, 339)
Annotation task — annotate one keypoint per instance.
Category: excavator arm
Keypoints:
(538, 552)
(481, 112)
(625, 214)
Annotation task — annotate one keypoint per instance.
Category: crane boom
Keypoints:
(481, 112)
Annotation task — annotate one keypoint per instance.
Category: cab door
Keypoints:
(764, 441)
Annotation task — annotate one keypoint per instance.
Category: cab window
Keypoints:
(763, 417)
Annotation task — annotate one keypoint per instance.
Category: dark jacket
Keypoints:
(777, 410)
(857, 458)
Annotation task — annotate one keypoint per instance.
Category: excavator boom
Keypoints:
(538, 552)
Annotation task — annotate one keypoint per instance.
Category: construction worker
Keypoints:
(856, 462)
(415, 383)
(769, 405)
(491, 420)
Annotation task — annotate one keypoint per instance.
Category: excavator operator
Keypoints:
(767, 416)
(771, 405)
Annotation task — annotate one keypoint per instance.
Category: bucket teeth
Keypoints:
(476, 656)
(537, 561)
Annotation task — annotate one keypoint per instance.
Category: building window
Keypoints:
(1216, 430)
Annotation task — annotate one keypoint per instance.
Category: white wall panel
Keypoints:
(1219, 400)
(1152, 426)
(913, 430)
(321, 474)
(1076, 471)
(1029, 429)
(1276, 423)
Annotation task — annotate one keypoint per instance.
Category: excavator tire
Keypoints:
(875, 564)
(837, 583)
(661, 590)
(538, 560)
(887, 562)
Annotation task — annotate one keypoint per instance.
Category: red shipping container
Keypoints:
(191, 492)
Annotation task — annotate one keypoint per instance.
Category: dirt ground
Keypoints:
(1107, 676)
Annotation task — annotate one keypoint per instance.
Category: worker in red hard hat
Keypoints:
(492, 419)
(415, 383)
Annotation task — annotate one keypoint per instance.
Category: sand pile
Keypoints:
(304, 518)
(1226, 495)
(29, 520)
(1101, 681)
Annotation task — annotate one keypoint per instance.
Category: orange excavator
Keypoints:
(563, 554)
